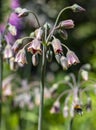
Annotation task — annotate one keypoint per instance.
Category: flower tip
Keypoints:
(77, 8)
(21, 12)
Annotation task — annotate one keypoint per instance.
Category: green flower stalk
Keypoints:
(1, 75)
(43, 67)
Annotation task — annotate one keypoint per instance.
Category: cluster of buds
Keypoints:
(43, 36)
(73, 102)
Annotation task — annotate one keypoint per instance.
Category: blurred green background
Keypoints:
(81, 39)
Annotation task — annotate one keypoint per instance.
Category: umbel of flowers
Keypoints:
(73, 102)
(42, 36)
(42, 42)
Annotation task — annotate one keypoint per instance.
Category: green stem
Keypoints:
(40, 119)
(65, 47)
(71, 123)
(57, 21)
(1, 75)
(62, 94)
(74, 79)
(35, 18)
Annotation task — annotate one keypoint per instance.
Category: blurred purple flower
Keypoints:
(15, 21)
(1, 28)
(15, 4)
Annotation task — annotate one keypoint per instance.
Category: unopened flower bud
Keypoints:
(67, 24)
(47, 26)
(35, 59)
(49, 55)
(21, 57)
(86, 67)
(84, 74)
(67, 78)
(77, 8)
(72, 58)
(56, 44)
(64, 62)
(12, 29)
(22, 12)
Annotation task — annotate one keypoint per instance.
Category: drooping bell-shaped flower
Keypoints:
(16, 46)
(72, 58)
(56, 44)
(35, 46)
(21, 57)
(55, 108)
(8, 52)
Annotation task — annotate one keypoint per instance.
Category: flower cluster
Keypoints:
(22, 96)
(42, 36)
(73, 102)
